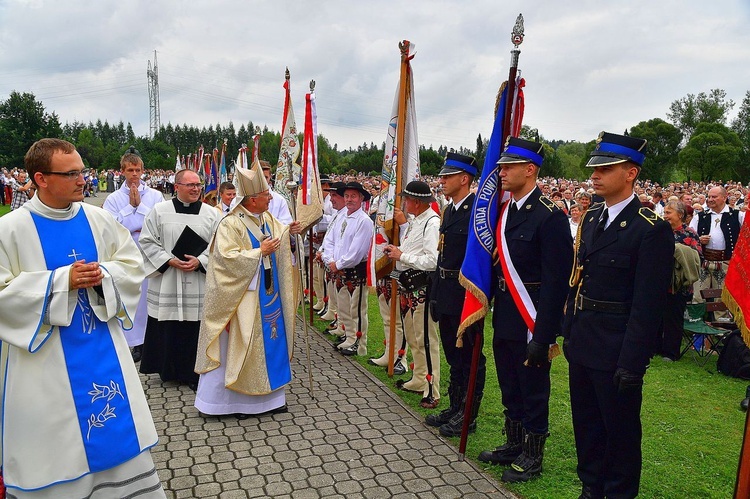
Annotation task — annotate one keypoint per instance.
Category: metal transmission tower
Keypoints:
(153, 97)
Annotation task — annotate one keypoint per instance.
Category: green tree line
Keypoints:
(696, 142)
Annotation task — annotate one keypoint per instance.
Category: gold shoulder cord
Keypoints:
(577, 270)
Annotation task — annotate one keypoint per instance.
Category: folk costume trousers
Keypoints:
(420, 328)
(351, 300)
(384, 304)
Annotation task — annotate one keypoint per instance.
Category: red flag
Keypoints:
(736, 293)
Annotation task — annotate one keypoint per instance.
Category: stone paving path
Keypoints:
(354, 439)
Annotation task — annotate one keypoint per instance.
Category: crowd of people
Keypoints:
(205, 295)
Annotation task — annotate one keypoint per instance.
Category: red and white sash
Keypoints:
(512, 280)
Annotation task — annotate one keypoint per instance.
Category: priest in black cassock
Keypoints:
(174, 242)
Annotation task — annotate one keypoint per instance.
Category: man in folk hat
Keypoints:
(534, 245)
(130, 204)
(319, 232)
(348, 263)
(455, 180)
(621, 274)
(324, 256)
(383, 289)
(251, 301)
(418, 252)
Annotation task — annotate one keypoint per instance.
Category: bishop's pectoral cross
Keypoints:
(267, 271)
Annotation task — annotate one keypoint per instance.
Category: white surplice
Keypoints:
(43, 441)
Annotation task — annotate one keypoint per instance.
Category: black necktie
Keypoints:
(602, 223)
(453, 209)
(513, 210)
(226, 210)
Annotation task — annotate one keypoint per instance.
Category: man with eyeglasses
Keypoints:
(247, 331)
(75, 419)
(174, 241)
(130, 204)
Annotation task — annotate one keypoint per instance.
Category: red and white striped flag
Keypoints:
(310, 174)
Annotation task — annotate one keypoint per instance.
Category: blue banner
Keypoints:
(476, 271)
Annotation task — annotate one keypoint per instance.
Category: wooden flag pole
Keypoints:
(394, 236)
(517, 39)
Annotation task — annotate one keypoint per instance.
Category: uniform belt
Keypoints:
(448, 274)
(713, 255)
(613, 307)
(502, 285)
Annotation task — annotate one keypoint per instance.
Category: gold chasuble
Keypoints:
(232, 297)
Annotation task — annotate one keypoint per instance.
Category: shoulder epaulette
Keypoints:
(650, 215)
(594, 206)
(551, 206)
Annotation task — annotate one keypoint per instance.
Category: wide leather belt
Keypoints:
(612, 307)
(713, 255)
(447, 273)
(502, 285)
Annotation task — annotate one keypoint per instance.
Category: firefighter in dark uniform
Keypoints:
(447, 295)
(532, 281)
(619, 284)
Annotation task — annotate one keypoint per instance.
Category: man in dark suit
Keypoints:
(619, 284)
(534, 245)
(447, 294)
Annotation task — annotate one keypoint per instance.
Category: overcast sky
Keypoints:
(589, 65)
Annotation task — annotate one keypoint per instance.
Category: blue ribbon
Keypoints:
(99, 393)
(635, 156)
(274, 330)
(525, 153)
(472, 170)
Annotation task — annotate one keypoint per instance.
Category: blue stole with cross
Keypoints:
(272, 315)
(99, 393)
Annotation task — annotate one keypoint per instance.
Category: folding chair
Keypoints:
(714, 304)
(703, 339)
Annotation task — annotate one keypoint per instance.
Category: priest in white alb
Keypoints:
(129, 205)
(75, 422)
(252, 292)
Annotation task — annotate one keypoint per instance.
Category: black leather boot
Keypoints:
(529, 464)
(508, 452)
(455, 396)
(455, 426)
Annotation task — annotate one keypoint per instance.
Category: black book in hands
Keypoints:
(189, 243)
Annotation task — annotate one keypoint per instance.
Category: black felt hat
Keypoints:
(356, 186)
(337, 187)
(419, 190)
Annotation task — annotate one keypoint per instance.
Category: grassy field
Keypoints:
(692, 425)
(4, 209)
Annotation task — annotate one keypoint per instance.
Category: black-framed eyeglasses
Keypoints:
(71, 175)
(191, 186)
